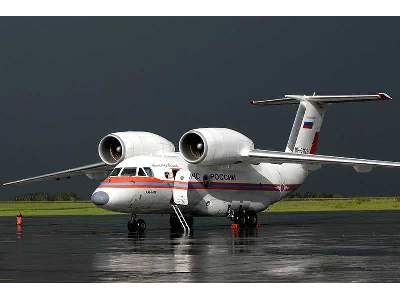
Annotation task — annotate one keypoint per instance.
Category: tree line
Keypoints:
(314, 195)
(43, 196)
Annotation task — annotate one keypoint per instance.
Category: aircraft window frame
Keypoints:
(113, 171)
(148, 171)
(144, 173)
(130, 169)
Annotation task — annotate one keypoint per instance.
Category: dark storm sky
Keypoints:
(66, 82)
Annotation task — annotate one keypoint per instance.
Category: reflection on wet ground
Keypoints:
(293, 247)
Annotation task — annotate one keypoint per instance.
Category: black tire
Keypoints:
(252, 220)
(236, 218)
(132, 226)
(248, 219)
(242, 219)
(141, 225)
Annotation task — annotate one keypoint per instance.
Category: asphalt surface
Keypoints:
(288, 247)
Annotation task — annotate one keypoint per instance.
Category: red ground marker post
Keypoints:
(234, 227)
(19, 220)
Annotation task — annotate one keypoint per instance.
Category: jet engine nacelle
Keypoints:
(116, 147)
(210, 146)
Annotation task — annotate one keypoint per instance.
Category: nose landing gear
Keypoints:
(136, 225)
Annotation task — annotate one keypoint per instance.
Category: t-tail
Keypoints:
(306, 128)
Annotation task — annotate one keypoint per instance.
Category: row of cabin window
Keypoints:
(145, 171)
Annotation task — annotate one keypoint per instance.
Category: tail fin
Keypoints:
(306, 127)
(304, 136)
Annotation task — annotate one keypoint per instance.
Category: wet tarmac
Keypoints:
(292, 247)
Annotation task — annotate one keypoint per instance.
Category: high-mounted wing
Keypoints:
(359, 164)
(95, 171)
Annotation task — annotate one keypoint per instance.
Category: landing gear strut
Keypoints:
(242, 217)
(136, 225)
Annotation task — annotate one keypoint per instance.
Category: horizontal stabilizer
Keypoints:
(359, 164)
(295, 99)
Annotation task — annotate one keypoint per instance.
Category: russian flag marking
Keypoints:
(308, 124)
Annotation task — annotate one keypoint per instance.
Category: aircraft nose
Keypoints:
(100, 198)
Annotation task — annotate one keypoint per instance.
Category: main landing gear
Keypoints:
(136, 225)
(243, 218)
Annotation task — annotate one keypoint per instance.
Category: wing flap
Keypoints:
(359, 164)
(92, 170)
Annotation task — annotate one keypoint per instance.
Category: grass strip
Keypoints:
(86, 208)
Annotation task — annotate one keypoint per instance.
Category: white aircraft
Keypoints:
(217, 171)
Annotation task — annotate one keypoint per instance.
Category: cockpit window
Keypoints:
(115, 172)
(149, 171)
(128, 172)
(141, 172)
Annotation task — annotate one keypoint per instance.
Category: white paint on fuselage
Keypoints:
(206, 199)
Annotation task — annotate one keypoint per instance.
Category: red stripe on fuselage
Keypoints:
(134, 179)
(272, 189)
(121, 179)
(135, 187)
(199, 185)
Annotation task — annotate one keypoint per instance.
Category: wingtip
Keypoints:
(384, 96)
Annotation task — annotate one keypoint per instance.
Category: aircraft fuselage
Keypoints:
(208, 190)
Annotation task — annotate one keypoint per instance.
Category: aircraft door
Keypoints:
(180, 191)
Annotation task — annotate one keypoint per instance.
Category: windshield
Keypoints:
(115, 172)
(134, 171)
(149, 171)
(128, 172)
(141, 172)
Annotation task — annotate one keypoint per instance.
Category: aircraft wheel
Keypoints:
(141, 225)
(236, 218)
(242, 219)
(252, 219)
(132, 226)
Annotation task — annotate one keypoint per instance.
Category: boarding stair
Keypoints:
(181, 218)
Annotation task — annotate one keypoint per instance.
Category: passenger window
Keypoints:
(141, 172)
(149, 171)
(115, 172)
(128, 172)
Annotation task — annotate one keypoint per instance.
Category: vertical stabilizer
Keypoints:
(306, 127)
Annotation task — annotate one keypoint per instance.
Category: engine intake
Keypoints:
(110, 149)
(210, 146)
(192, 147)
(116, 147)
